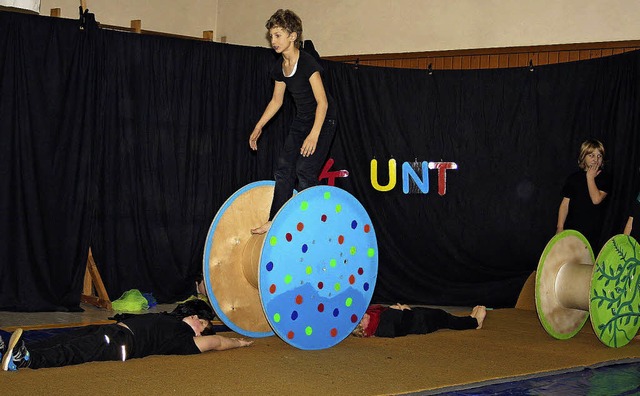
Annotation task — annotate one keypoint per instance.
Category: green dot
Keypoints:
(327, 195)
(309, 270)
(333, 262)
(304, 205)
(287, 279)
(371, 252)
(336, 287)
(338, 208)
(308, 330)
(276, 318)
(352, 250)
(348, 302)
(273, 241)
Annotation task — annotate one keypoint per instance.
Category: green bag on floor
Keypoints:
(130, 301)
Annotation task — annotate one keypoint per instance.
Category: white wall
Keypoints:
(345, 27)
(183, 17)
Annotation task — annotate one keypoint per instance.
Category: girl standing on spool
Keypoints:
(584, 193)
(311, 132)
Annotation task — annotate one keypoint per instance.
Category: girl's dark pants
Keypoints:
(293, 166)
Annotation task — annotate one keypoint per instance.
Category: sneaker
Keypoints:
(3, 347)
(16, 355)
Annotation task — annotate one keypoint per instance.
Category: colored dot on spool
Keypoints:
(367, 228)
(371, 252)
(348, 301)
(269, 266)
(273, 241)
(352, 279)
(308, 330)
(336, 312)
(300, 227)
(304, 205)
(294, 315)
(360, 271)
(365, 286)
(340, 239)
(327, 195)
(298, 299)
(333, 262)
(290, 335)
(288, 279)
(336, 287)
(334, 332)
(305, 248)
(321, 307)
(288, 237)
(276, 317)
(308, 270)
(352, 250)
(320, 285)
(354, 318)
(338, 208)
(323, 218)
(272, 288)
(354, 224)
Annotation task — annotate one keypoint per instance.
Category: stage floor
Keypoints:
(512, 354)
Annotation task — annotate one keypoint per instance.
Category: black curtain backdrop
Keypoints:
(130, 143)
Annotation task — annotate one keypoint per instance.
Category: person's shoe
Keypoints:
(16, 355)
(3, 348)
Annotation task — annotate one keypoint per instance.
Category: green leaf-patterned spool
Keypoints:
(570, 288)
(615, 292)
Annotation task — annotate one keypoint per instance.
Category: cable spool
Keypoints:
(571, 287)
(309, 279)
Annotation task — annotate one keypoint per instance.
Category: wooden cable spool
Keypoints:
(571, 287)
(309, 279)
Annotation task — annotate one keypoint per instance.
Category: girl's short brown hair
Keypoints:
(287, 20)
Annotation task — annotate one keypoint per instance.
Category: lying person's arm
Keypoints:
(219, 343)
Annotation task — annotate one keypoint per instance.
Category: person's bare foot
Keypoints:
(479, 312)
(262, 229)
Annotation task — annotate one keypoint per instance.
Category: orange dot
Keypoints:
(367, 228)
(334, 332)
(298, 299)
(300, 227)
(341, 239)
(290, 335)
(352, 279)
(272, 288)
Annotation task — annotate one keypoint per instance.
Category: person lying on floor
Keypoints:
(185, 331)
(400, 320)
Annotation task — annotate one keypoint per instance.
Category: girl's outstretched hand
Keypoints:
(253, 139)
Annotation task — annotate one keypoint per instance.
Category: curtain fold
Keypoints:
(45, 115)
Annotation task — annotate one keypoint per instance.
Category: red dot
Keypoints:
(352, 279)
(360, 271)
(289, 237)
(354, 318)
(272, 288)
(323, 218)
(290, 335)
(320, 285)
(300, 226)
(298, 299)
(321, 307)
(334, 332)
(367, 228)
(340, 239)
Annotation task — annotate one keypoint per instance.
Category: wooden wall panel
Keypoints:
(492, 58)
